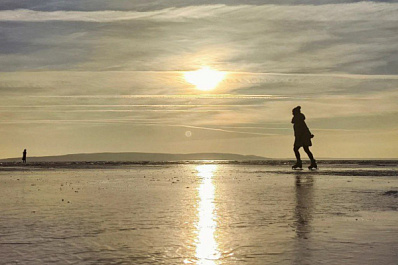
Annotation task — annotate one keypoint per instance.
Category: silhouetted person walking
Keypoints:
(302, 138)
(24, 156)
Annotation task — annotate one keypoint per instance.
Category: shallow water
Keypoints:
(198, 214)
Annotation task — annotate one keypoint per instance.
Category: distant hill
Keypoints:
(132, 156)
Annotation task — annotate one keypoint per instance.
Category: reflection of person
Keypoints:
(303, 216)
(304, 205)
(302, 138)
(24, 156)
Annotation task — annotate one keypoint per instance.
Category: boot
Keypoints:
(298, 165)
(313, 165)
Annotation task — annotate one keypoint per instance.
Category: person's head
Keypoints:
(296, 110)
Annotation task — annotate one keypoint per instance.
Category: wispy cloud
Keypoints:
(331, 12)
(338, 38)
(111, 16)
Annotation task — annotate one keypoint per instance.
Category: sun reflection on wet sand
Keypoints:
(206, 245)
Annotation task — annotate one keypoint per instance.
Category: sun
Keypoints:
(204, 79)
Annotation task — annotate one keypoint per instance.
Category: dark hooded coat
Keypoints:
(302, 133)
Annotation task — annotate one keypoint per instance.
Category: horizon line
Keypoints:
(197, 153)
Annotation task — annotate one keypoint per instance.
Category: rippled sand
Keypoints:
(199, 214)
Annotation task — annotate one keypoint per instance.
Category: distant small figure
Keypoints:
(24, 156)
(302, 139)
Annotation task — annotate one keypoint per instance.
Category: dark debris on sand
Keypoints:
(393, 193)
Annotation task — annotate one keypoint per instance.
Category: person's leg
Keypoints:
(297, 153)
(313, 162)
(307, 150)
(298, 164)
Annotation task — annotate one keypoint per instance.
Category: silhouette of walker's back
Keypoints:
(24, 156)
(302, 138)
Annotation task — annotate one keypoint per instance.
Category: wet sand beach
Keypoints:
(216, 213)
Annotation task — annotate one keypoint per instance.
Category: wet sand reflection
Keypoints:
(303, 215)
(206, 245)
(304, 205)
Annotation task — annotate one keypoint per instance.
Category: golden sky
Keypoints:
(107, 76)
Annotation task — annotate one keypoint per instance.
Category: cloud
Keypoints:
(340, 38)
(174, 14)
(333, 12)
(246, 98)
(150, 5)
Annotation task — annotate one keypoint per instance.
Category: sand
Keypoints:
(199, 214)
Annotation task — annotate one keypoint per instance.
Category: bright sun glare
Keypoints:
(204, 79)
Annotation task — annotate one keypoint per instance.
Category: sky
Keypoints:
(108, 76)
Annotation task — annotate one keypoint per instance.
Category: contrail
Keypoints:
(223, 130)
(207, 96)
(149, 123)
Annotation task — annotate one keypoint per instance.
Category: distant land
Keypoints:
(133, 156)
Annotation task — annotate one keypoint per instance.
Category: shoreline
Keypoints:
(370, 168)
